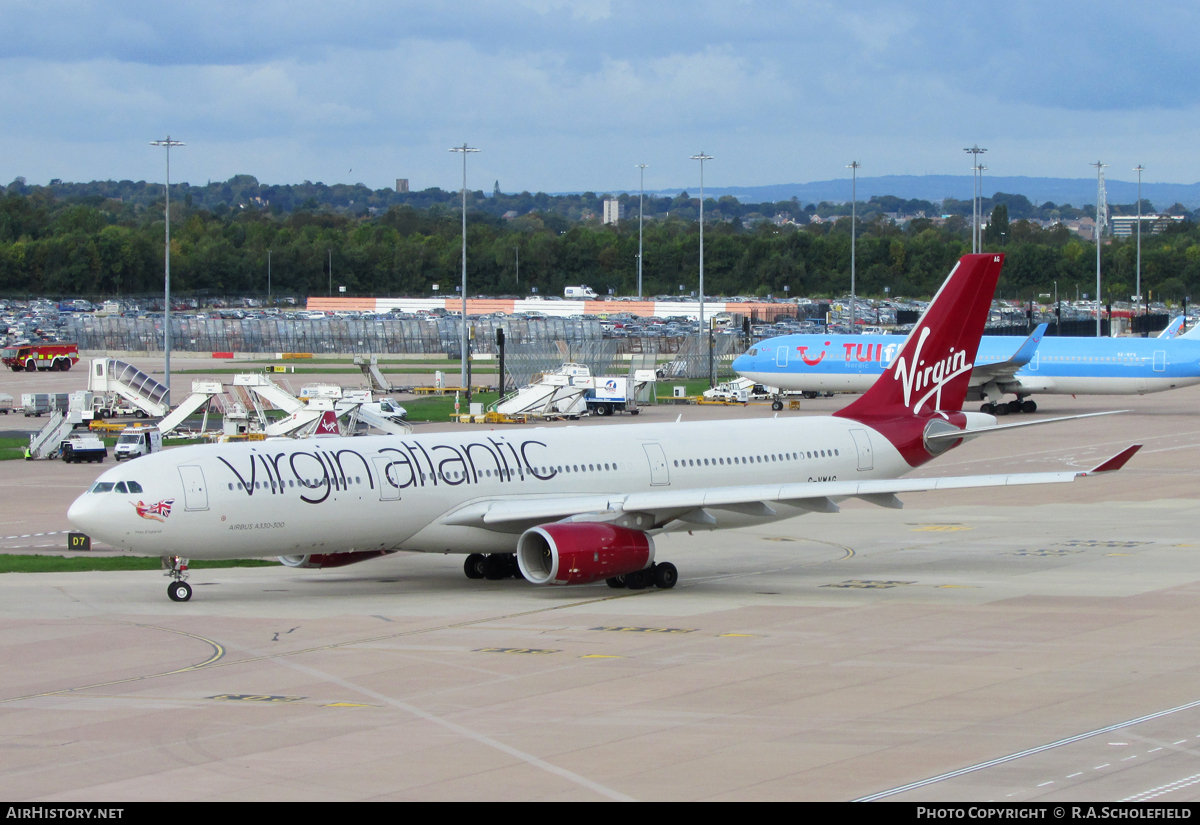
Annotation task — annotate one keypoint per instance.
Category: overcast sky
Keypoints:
(565, 95)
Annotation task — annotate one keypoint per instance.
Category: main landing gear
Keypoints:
(493, 567)
(176, 568)
(1019, 405)
(663, 576)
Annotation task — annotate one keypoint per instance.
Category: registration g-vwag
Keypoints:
(561, 505)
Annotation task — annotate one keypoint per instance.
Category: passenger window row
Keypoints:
(754, 459)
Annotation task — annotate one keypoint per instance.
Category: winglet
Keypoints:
(1173, 329)
(1116, 462)
(1025, 354)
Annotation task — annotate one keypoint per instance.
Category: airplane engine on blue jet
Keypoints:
(321, 561)
(582, 552)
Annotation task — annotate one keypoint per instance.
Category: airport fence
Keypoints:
(320, 336)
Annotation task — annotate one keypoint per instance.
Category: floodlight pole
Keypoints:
(465, 150)
(167, 143)
(1099, 177)
(1138, 290)
(976, 196)
(703, 332)
(853, 167)
(641, 194)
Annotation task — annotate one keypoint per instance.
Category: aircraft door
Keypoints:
(862, 441)
(389, 490)
(781, 354)
(1160, 360)
(195, 491)
(658, 464)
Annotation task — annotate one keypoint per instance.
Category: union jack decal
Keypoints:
(154, 512)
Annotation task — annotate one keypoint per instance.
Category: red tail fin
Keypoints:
(328, 424)
(933, 368)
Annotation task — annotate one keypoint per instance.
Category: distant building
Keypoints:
(1124, 226)
(614, 211)
(509, 215)
(401, 185)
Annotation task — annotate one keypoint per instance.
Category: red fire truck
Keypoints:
(31, 357)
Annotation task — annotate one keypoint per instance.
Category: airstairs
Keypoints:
(375, 378)
(562, 392)
(108, 375)
(202, 392)
(46, 442)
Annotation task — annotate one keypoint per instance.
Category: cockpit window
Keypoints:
(134, 487)
(102, 487)
(120, 488)
(752, 353)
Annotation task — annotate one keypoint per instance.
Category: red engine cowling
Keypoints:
(324, 560)
(582, 552)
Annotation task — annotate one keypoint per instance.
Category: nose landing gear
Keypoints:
(176, 569)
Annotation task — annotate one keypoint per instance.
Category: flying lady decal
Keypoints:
(154, 512)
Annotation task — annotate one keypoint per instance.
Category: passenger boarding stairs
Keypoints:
(375, 378)
(108, 375)
(561, 392)
(202, 392)
(46, 442)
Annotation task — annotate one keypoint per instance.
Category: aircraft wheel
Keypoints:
(1001, 409)
(638, 580)
(472, 566)
(495, 566)
(987, 408)
(1029, 406)
(616, 582)
(179, 591)
(665, 576)
(514, 569)
(777, 405)
(1015, 406)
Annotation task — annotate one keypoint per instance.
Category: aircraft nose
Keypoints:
(82, 513)
(741, 362)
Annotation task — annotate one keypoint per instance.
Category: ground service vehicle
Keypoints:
(79, 448)
(135, 441)
(610, 395)
(33, 357)
(6, 403)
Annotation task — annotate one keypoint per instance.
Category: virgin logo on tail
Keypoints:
(917, 376)
(328, 425)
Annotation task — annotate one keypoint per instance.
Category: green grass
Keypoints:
(17, 563)
(11, 448)
(441, 407)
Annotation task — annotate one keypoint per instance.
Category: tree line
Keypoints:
(97, 246)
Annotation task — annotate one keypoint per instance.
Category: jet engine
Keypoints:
(582, 552)
(324, 560)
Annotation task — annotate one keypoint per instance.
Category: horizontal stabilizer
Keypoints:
(950, 435)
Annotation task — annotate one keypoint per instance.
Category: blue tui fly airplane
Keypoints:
(1041, 364)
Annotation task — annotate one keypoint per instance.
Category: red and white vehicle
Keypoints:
(34, 357)
(563, 506)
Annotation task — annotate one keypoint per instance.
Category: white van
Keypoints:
(580, 292)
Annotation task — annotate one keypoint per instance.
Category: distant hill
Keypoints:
(1075, 191)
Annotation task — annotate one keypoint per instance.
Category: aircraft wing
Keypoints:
(660, 508)
(1005, 370)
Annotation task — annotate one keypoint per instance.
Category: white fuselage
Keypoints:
(331, 495)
